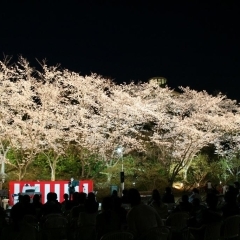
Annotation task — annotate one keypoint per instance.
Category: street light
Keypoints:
(120, 154)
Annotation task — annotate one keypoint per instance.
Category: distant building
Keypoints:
(161, 81)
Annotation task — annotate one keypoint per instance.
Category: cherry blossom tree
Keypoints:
(16, 109)
(227, 145)
(48, 110)
(35, 118)
(194, 119)
(112, 119)
(57, 114)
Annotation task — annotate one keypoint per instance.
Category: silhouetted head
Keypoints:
(124, 192)
(195, 190)
(36, 198)
(50, 196)
(65, 196)
(55, 197)
(230, 197)
(212, 200)
(134, 197)
(26, 199)
(91, 196)
(117, 202)
(185, 198)
(75, 196)
(82, 197)
(114, 193)
(107, 203)
(156, 195)
(196, 202)
(20, 198)
(168, 190)
(231, 188)
(236, 184)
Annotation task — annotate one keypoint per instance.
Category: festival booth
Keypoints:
(42, 188)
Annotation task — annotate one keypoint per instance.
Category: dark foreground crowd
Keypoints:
(83, 218)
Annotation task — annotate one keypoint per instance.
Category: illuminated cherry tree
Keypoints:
(227, 145)
(45, 111)
(34, 117)
(110, 117)
(18, 130)
(193, 121)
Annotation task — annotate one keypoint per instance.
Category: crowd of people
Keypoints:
(126, 213)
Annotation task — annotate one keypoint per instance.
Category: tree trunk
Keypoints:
(109, 178)
(185, 170)
(83, 169)
(53, 169)
(53, 174)
(89, 171)
(20, 175)
(170, 181)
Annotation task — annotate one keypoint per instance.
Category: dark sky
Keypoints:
(190, 43)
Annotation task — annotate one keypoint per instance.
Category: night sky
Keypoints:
(190, 43)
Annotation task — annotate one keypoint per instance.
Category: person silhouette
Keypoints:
(71, 188)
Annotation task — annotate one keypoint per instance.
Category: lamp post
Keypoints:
(120, 154)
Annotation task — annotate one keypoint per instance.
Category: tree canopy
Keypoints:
(54, 115)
